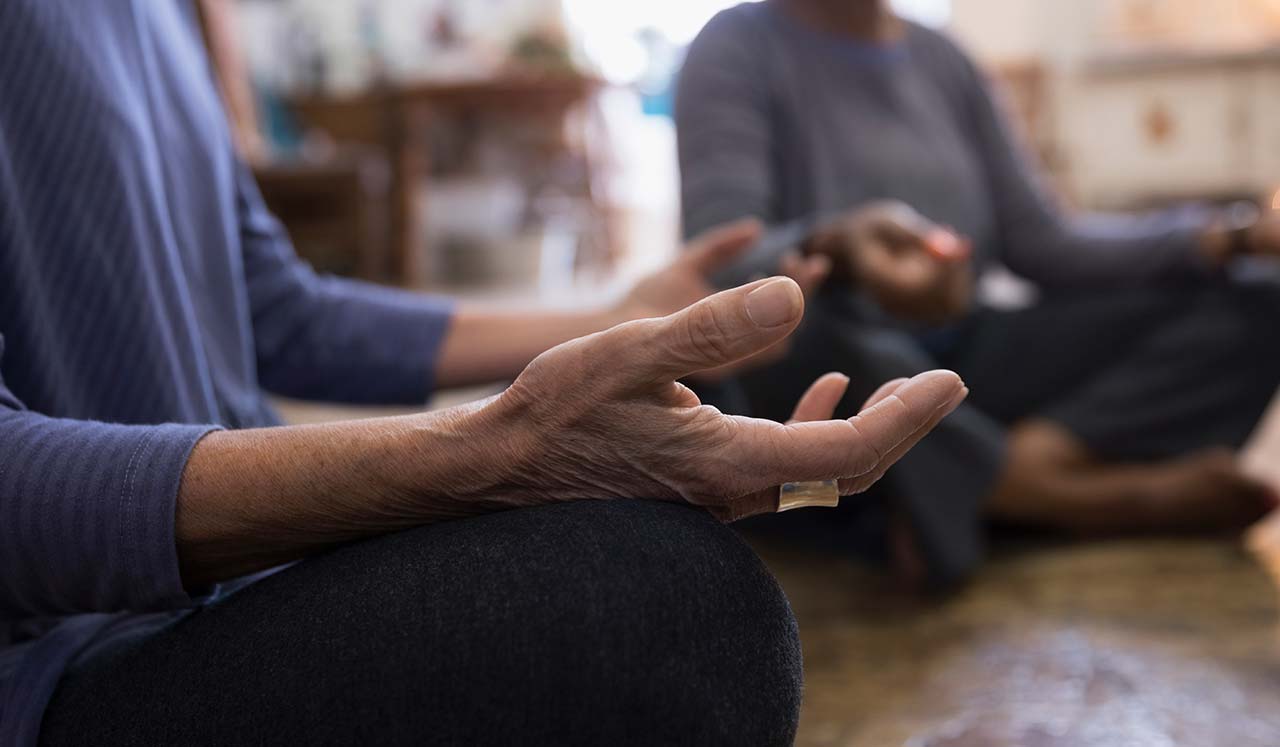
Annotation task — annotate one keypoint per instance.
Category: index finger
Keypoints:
(770, 454)
(893, 419)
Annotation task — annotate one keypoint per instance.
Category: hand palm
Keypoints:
(614, 422)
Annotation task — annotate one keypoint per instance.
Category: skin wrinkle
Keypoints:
(884, 404)
(876, 455)
(712, 478)
(709, 337)
(601, 417)
(902, 448)
(679, 395)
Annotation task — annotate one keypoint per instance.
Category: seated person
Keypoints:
(481, 575)
(1113, 404)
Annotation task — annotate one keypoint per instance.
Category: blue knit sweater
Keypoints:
(146, 297)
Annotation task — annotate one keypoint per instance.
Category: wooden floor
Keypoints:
(1160, 643)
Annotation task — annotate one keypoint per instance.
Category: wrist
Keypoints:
(1231, 234)
(1215, 246)
(465, 461)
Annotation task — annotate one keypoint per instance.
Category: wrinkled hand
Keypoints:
(913, 268)
(687, 280)
(605, 417)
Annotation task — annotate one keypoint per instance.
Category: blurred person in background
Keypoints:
(1115, 403)
(456, 577)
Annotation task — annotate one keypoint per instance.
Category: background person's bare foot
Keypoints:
(1207, 490)
(1051, 481)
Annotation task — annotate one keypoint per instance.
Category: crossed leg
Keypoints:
(583, 623)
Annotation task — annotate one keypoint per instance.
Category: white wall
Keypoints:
(1052, 32)
(999, 30)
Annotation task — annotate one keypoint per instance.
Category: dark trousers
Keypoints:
(1136, 375)
(614, 623)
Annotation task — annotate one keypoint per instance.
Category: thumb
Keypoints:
(719, 247)
(717, 331)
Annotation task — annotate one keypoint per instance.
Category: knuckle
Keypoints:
(896, 405)
(604, 356)
(706, 333)
(867, 452)
(581, 366)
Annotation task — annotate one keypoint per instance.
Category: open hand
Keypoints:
(605, 417)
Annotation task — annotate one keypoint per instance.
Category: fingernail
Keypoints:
(773, 304)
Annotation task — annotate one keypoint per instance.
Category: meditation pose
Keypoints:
(1114, 403)
(548, 566)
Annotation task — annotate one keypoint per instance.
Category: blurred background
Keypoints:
(517, 150)
(493, 147)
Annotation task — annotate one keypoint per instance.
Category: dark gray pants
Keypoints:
(1142, 374)
(612, 623)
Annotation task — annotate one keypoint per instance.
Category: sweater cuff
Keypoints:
(87, 514)
(147, 519)
(405, 352)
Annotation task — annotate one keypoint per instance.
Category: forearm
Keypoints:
(487, 346)
(1097, 250)
(254, 499)
(1044, 243)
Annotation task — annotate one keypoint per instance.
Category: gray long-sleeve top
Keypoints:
(788, 124)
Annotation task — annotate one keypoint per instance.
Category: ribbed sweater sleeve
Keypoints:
(87, 513)
(333, 339)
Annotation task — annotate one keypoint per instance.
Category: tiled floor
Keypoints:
(1128, 643)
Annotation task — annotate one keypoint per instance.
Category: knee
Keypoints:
(621, 622)
(715, 658)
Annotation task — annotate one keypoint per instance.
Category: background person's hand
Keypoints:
(915, 269)
(604, 417)
(1264, 236)
(1242, 229)
(687, 280)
